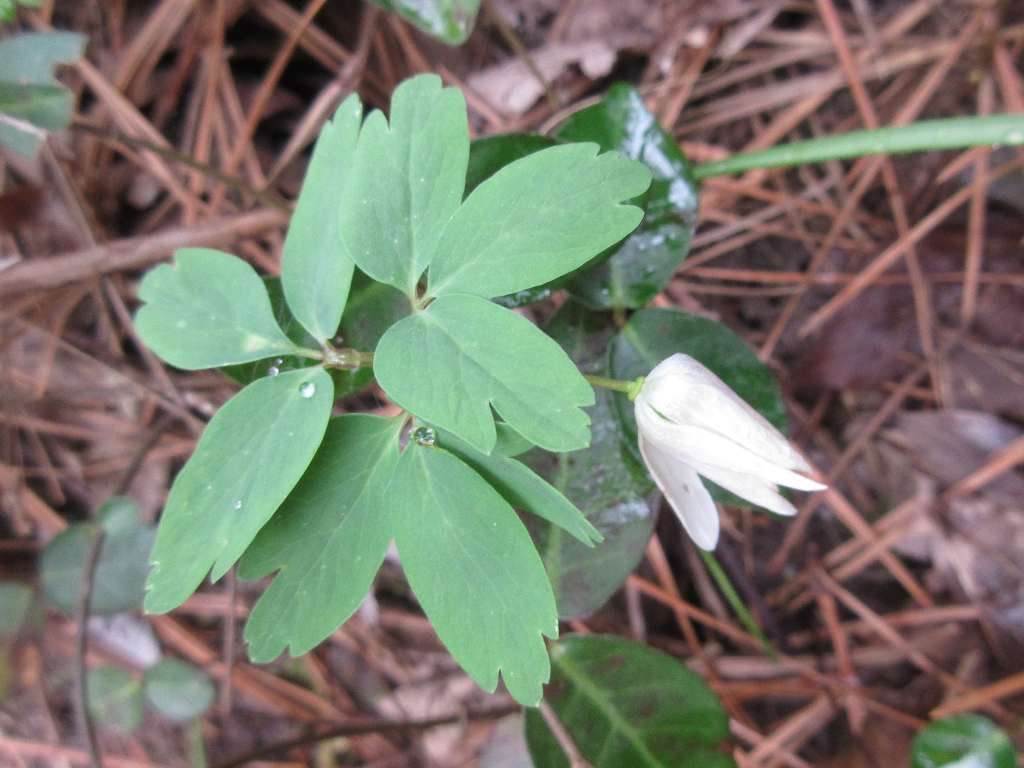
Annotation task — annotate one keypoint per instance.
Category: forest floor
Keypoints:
(886, 294)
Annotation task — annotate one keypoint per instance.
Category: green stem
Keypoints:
(311, 354)
(629, 388)
(732, 597)
(950, 133)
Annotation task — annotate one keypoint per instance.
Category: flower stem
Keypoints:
(732, 597)
(629, 388)
(951, 133)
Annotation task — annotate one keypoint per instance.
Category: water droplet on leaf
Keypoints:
(307, 389)
(237, 504)
(273, 370)
(425, 436)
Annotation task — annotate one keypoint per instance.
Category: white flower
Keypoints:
(690, 423)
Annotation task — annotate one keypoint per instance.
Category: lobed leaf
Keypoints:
(640, 266)
(536, 219)
(316, 270)
(327, 541)
(604, 480)
(252, 453)
(524, 489)
(474, 570)
(451, 363)
(208, 309)
(114, 698)
(406, 181)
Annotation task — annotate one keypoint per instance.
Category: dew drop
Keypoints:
(237, 504)
(273, 370)
(425, 436)
(307, 389)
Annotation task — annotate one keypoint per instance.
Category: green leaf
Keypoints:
(450, 363)
(651, 335)
(473, 567)
(962, 741)
(490, 154)
(118, 584)
(114, 699)
(536, 219)
(623, 703)
(406, 181)
(327, 541)
(177, 690)
(450, 21)
(15, 600)
(208, 309)
(604, 480)
(524, 489)
(31, 99)
(251, 454)
(372, 308)
(641, 265)
(316, 270)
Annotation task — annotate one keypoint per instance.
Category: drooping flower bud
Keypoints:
(692, 424)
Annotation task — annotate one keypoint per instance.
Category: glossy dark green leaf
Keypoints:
(316, 269)
(450, 21)
(15, 600)
(451, 363)
(406, 181)
(372, 308)
(474, 570)
(962, 741)
(250, 456)
(624, 704)
(641, 265)
(114, 699)
(524, 489)
(208, 309)
(177, 690)
(327, 541)
(121, 569)
(604, 480)
(30, 97)
(651, 335)
(537, 219)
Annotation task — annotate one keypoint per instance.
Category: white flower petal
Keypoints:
(696, 445)
(688, 393)
(685, 493)
(748, 487)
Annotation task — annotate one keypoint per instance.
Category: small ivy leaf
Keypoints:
(639, 267)
(962, 741)
(327, 541)
(449, 364)
(651, 335)
(524, 489)
(450, 21)
(623, 703)
(120, 570)
(30, 96)
(251, 454)
(316, 270)
(208, 309)
(474, 570)
(114, 699)
(406, 181)
(177, 690)
(372, 308)
(536, 219)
